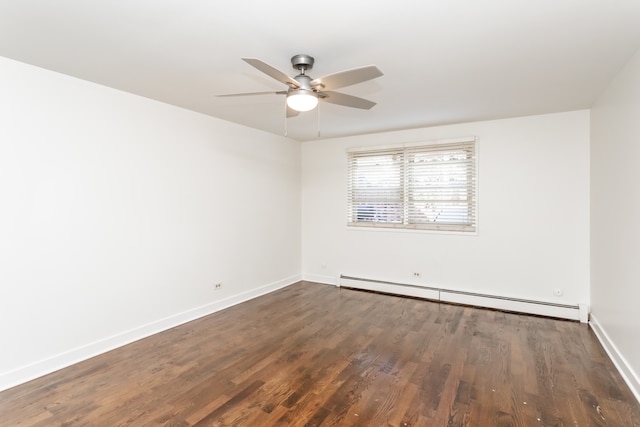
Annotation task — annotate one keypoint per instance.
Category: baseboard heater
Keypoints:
(542, 308)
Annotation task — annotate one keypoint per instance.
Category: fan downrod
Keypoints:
(302, 62)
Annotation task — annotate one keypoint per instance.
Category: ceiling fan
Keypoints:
(304, 92)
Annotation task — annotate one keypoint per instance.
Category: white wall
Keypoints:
(533, 233)
(118, 214)
(615, 225)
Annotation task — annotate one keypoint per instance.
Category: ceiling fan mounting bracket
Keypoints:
(302, 62)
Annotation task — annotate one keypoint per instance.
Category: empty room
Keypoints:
(225, 213)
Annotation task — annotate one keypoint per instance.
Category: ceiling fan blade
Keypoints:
(346, 78)
(280, 92)
(346, 100)
(272, 72)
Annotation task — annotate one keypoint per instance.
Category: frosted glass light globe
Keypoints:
(302, 100)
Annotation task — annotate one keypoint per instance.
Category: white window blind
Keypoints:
(428, 186)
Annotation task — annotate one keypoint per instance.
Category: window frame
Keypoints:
(457, 169)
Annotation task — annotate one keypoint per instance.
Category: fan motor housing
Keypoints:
(302, 62)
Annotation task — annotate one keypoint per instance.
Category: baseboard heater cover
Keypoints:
(542, 308)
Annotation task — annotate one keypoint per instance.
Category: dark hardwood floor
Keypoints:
(311, 355)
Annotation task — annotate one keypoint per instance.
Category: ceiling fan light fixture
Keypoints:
(302, 100)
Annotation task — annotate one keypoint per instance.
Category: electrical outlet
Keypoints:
(416, 274)
(217, 286)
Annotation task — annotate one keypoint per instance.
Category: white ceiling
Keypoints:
(444, 61)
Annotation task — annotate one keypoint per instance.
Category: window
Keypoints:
(428, 186)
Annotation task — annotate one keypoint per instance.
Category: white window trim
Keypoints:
(471, 229)
(413, 144)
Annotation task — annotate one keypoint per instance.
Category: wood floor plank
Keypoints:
(317, 355)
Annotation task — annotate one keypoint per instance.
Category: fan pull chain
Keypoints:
(318, 108)
(286, 120)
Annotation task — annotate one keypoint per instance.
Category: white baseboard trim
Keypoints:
(317, 278)
(46, 366)
(542, 308)
(627, 372)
